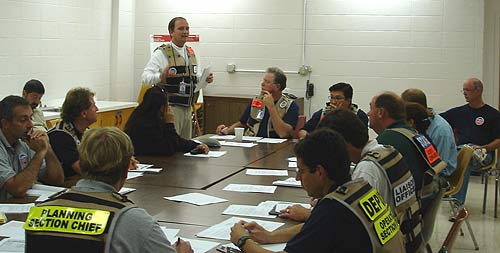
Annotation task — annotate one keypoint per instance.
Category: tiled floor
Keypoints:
(485, 227)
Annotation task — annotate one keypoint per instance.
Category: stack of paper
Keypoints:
(146, 168)
(274, 247)
(258, 172)
(214, 154)
(223, 137)
(200, 246)
(250, 188)
(238, 144)
(271, 140)
(16, 208)
(43, 192)
(288, 182)
(198, 199)
(170, 233)
(126, 190)
(221, 230)
(246, 210)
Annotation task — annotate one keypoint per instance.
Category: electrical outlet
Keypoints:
(231, 67)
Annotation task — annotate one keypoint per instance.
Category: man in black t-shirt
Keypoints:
(474, 123)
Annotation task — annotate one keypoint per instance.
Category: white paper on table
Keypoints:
(288, 182)
(246, 210)
(132, 174)
(292, 159)
(292, 164)
(126, 190)
(271, 140)
(251, 138)
(143, 166)
(195, 198)
(238, 144)
(275, 247)
(214, 154)
(11, 245)
(202, 82)
(221, 230)
(43, 190)
(250, 188)
(200, 246)
(13, 229)
(16, 208)
(170, 233)
(283, 206)
(153, 170)
(259, 172)
(223, 137)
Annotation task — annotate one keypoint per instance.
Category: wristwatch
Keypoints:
(242, 241)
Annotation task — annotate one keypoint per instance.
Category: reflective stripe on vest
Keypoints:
(373, 212)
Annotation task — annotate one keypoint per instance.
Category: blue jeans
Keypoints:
(473, 165)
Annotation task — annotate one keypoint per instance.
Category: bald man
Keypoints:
(474, 123)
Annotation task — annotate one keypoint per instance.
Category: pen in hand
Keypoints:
(178, 241)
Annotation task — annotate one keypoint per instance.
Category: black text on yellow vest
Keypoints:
(180, 85)
(73, 220)
(402, 186)
(373, 212)
(253, 124)
(429, 153)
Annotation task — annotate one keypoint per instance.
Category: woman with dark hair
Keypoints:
(151, 127)
(418, 117)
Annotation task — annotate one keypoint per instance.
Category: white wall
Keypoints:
(375, 45)
(491, 65)
(62, 43)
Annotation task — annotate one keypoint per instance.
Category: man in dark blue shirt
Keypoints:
(476, 124)
(340, 96)
(272, 114)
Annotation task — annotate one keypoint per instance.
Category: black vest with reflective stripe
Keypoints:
(350, 194)
(178, 95)
(402, 186)
(65, 242)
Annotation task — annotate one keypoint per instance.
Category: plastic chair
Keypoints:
(300, 124)
(456, 181)
(462, 215)
(486, 171)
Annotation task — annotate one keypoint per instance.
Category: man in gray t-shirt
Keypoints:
(25, 153)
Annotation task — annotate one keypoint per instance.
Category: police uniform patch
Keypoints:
(283, 104)
(479, 121)
(172, 71)
(23, 159)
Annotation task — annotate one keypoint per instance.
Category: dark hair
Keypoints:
(393, 104)
(348, 125)
(344, 87)
(327, 148)
(149, 111)
(8, 104)
(415, 95)
(279, 76)
(171, 24)
(420, 116)
(77, 100)
(34, 85)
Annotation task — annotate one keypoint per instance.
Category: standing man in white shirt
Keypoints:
(173, 66)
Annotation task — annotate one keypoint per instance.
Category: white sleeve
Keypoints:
(156, 64)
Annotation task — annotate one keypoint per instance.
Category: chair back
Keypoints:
(462, 215)
(457, 178)
(300, 124)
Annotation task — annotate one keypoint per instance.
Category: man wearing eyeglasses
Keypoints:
(340, 96)
(474, 123)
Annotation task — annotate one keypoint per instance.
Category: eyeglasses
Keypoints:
(336, 98)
